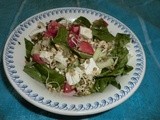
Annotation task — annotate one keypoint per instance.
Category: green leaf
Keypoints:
(82, 21)
(33, 72)
(116, 72)
(119, 68)
(102, 83)
(122, 62)
(99, 24)
(29, 46)
(119, 51)
(115, 84)
(50, 74)
(122, 39)
(100, 30)
(108, 76)
(111, 73)
(127, 69)
(60, 19)
(61, 37)
(102, 34)
(122, 54)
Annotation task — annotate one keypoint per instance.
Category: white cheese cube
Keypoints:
(86, 32)
(73, 77)
(60, 58)
(91, 68)
(46, 56)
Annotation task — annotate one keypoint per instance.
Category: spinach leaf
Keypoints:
(102, 83)
(99, 24)
(121, 52)
(100, 30)
(61, 37)
(60, 19)
(115, 84)
(50, 74)
(29, 46)
(121, 68)
(33, 72)
(102, 34)
(127, 69)
(61, 40)
(109, 73)
(122, 39)
(82, 21)
(122, 61)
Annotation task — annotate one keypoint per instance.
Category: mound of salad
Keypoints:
(76, 58)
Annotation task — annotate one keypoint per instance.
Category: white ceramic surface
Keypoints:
(36, 93)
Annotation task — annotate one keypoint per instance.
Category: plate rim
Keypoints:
(73, 111)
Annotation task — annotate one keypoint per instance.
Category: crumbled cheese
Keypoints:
(60, 58)
(74, 76)
(86, 32)
(80, 72)
(46, 56)
(91, 67)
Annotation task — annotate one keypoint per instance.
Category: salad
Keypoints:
(76, 57)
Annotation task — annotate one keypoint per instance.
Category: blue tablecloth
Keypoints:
(141, 16)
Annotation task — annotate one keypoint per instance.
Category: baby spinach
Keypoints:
(121, 51)
(102, 34)
(82, 21)
(108, 76)
(42, 74)
(99, 24)
(60, 19)
(122, 39)
(102, 83)
(29, 46)
(100, 30)
(61, 37)
(127, 69)
(61, 40)
(115, 84)
(108, 73)
(33, 72)
(50, 74)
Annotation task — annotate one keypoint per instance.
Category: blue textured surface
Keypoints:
(141, 16)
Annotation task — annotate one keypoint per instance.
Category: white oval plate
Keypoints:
(36, 93)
